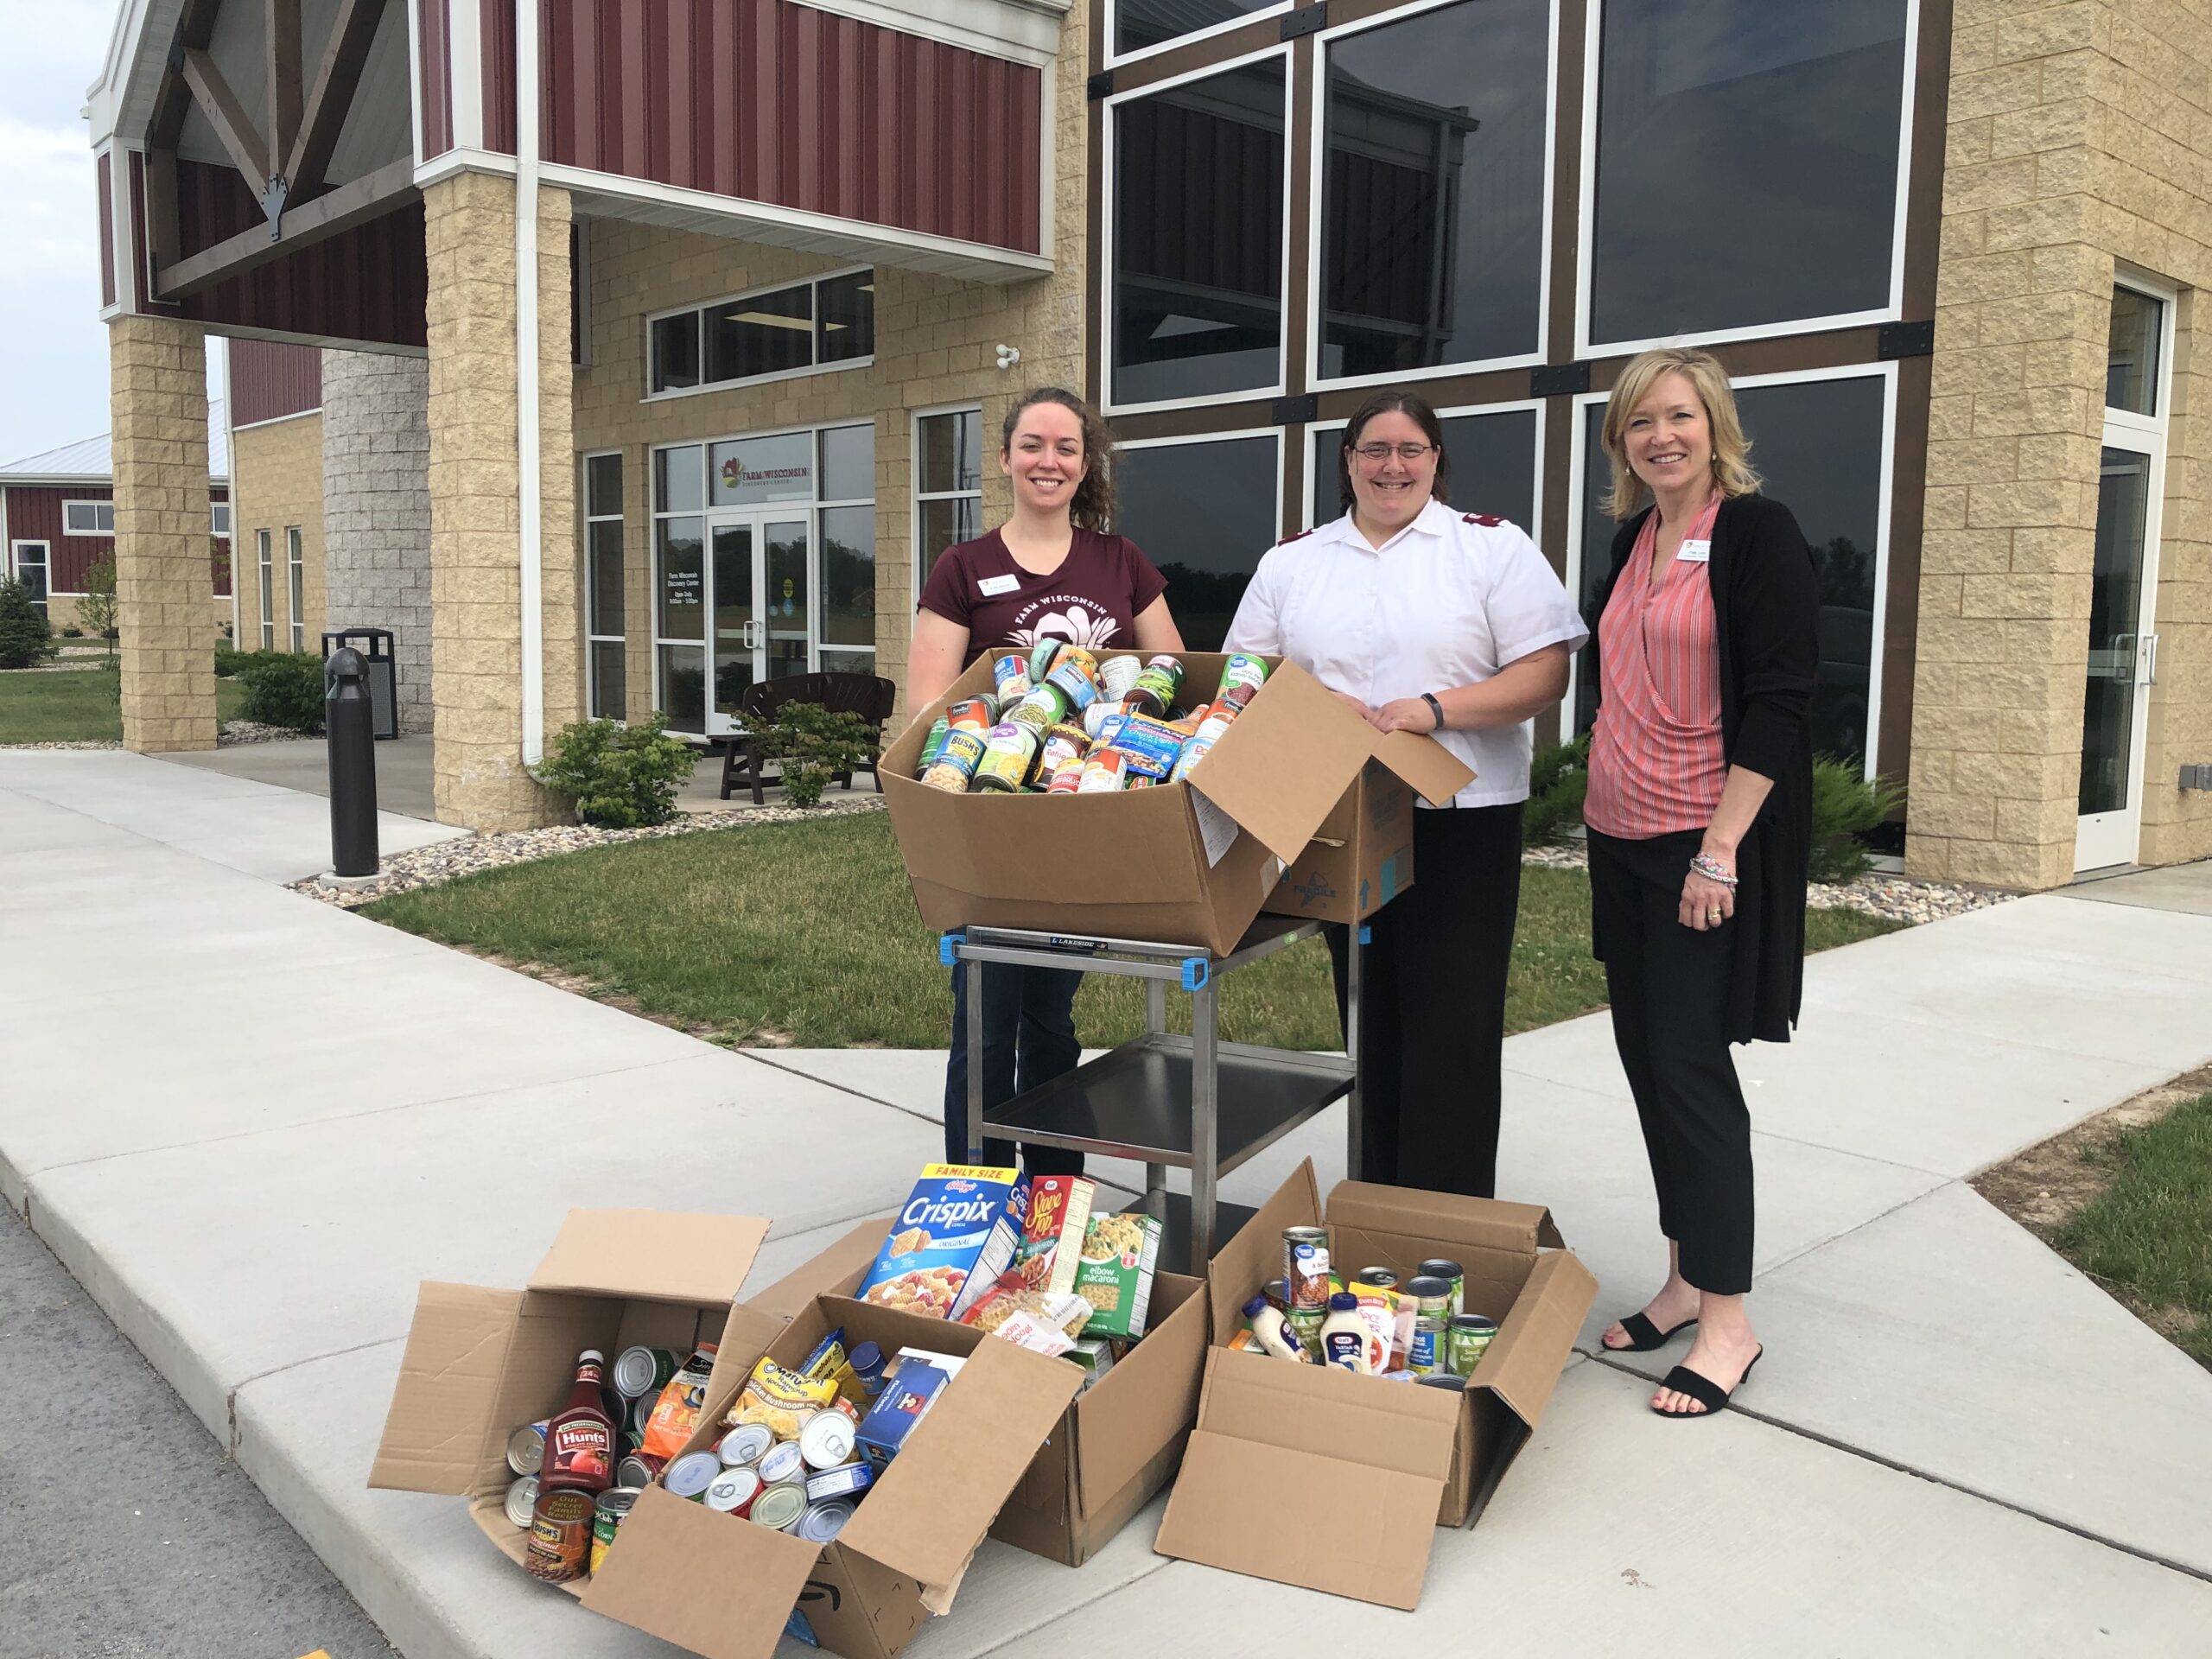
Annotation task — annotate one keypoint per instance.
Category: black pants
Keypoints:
(1432, 1003)
(1669, 989)
(1028, 1039)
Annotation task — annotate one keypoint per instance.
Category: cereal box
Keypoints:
(1059, 1211)
(954, 1235)
(1120, 1254)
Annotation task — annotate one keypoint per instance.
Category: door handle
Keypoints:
(2146, 660)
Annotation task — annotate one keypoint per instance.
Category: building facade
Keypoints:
(705, 410)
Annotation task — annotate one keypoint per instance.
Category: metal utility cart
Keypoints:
(1192, 1102)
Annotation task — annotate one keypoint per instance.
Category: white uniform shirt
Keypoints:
(1447, 602)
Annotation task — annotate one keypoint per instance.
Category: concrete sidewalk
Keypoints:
(250, 1124)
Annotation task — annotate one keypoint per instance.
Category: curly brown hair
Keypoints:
(1092, 507)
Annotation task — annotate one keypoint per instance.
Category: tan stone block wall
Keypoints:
(934, 340)
(157, 384)
(277, 481)
(2078, 138)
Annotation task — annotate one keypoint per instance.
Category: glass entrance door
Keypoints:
(2121, 661)
(789, 595)
(760, 595)
(737, 646)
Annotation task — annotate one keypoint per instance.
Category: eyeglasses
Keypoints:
(1375, 454)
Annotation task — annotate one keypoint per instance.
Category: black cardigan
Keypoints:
(1766, 612)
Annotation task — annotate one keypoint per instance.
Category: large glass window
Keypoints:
(1203, 513)
(268, 593)
(1433, 189)
(605, 639)
(846, 535)
(33, 560)
(1493, 467)
(1818, 445)
(825, 322)
(1197, 238)
(948, 484)
(2132, 376)
(1142, 24)
(1747, 163)
(751, 472)
(294, 567)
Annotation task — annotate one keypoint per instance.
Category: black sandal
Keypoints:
(1703, 1389)
(1643, 1336)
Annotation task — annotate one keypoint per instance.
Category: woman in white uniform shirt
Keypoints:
(1427, 621)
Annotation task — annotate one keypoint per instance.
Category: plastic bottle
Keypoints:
(1344, 1335)
(580, 1437)
(1269, 1329)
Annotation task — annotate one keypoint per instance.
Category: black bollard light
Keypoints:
(349, 719)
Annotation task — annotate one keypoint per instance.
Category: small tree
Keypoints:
(26, 640)
(815, 745)
(96, 610)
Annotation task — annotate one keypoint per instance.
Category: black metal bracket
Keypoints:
(1306, 20)
(1290, 411)
(1559, 379)
(1897, 339)
(1100, 85)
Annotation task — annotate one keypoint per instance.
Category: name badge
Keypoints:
(994, 586)
(1695, 552)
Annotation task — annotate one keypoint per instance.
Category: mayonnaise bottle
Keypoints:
(1272, 1332)
(1344, 1335)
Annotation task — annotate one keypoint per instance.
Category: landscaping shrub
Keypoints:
(1845, 806)
(1558, 778)
(229, 662)
(620, 776)
(72, 633)
(814, 745)
(283, 688)
(25, 638)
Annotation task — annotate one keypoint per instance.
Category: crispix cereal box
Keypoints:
(954, 1235)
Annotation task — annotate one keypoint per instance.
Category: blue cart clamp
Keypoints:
(948, 946)
(1366, 934)
(1197, 970)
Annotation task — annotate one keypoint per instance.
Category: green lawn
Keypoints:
(77, 706)
(2148, 1235)
(805, 933)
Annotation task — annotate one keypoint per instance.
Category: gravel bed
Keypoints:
(88, 743)
(1894, 897)
(429, 867)
(65, 665)
(252, 731)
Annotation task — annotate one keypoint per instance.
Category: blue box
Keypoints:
(904, 1400)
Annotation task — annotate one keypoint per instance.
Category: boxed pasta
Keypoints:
(954, 1235)
(1121, 1254)
(1059, 1211)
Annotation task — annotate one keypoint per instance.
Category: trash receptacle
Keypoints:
(375, 646)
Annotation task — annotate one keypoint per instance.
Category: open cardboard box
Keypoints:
(481, 1362)
(1118, 1443)
(1313, 1475)
(1190, 863)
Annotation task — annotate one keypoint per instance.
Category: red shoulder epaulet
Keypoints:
(1301, 537)
(1486, 518)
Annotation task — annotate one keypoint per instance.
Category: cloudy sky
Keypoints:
(54, 355)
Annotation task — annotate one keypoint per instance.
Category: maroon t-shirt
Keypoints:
(1093, 600)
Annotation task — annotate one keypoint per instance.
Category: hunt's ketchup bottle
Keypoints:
(580, 1438)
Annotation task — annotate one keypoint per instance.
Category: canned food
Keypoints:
(733, 1491)
(638, 1469)
(1306, 1322)
(783, 1464)
(1083, 661)
(1008, 756)
(1103, 771)
(607, 1518)
(526, 1449)
(1467, 1339)
(1382, 1278)
(1062, 743)
(1095, 718)
(746, 1444)
(1044, 708)
(1042, 657)
(1278, 1292)
(1443, 1380)
(1453, 1274)
(522, 1501)
(691, 1474)
(866, 1360)
(1074, 682)
(976, 715)
(848, 1480)
(1012, 675)
(819, 1522)
(1242, 671)
(827, 1439)
(640, 1372)
(1117, 677)
(779, 1508)
(560, 1537)
(934, 742)
(1158, 684)
(1066, 778)
(1306, 1268)
(956, 762)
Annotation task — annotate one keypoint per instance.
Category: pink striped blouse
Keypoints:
(1656, 763)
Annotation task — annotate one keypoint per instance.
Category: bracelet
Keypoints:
(1434, 708)
(1713, 869)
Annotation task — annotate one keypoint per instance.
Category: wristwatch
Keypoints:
(1435, 709)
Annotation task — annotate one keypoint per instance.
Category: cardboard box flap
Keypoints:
(1535, 1342)
(746, 1335)
(833, 1272)
(1145, 1399)
(434, 1436)
(1445, 1217)
(930, 1511)
(1254, 1254)
(1397, 1426)
(1424, 766)
(712, 1583)
(1283, 763)
(653, 1257)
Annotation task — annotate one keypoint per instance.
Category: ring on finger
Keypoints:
(1713, 915)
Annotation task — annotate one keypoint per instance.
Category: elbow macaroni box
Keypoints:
(950, 1241)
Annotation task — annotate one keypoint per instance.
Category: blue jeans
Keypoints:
(1028, 1039)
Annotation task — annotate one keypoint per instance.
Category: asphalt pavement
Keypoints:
(127, 1529)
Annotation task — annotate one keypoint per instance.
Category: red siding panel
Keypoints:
(35, 515)
(270, 381)
(103, 192)
(497, 42)
(433, 31)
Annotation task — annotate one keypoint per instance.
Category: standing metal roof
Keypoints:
(91, 459)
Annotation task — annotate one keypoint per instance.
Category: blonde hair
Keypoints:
(1732, 450)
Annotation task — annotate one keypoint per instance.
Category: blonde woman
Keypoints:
(1698, 813)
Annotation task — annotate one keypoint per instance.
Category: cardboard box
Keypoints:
(1116, 1447)
(1188, 863)
(478, 1362)
(1360, 859)
(1312, 1476)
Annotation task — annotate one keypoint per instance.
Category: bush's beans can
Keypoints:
(934, 743)
(642, 1371)
(1306, 1268)
(1453, 1274)
(1008, 756)
(691, 1475)
(560, 1537)
(1467, 1339)
(745, 1444)
(820, 1523)
(1117, 676)
(522, 1501)
(1158, 684)
(976, 714)
(733, 1491)
(607, 1518)
(955, 763)
(1102, 771)
(1011, 674)
(526, 1449)
(780, 1508)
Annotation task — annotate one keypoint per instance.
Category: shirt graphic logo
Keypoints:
(1080, 623)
